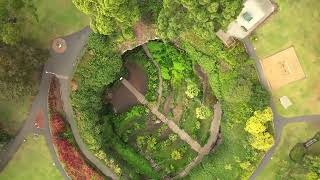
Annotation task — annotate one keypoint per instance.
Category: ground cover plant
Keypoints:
(281, 32)
(32, 161)
(234, 82)
(291, 160)
(183, 94)
(231, 75)
(69, 155)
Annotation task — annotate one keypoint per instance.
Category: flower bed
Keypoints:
(73, 161)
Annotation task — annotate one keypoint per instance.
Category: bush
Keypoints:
(297, 152)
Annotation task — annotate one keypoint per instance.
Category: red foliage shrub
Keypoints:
(75, 165)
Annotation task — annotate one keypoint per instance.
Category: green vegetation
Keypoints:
(203, 17)
(31, 161)
(132, 135)
(234, 82)
(283, 30)
(19, 74)
(38, 21)
(261, 139)
(281, 166)
(54, 19)
(108, 17)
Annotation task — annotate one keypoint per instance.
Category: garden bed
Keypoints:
(75, 165)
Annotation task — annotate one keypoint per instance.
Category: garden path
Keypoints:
(207, 148)
(160, 87)
(181, 133)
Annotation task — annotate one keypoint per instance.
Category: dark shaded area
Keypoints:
(120, 97)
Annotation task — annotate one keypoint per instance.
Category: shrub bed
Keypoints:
(74, 163)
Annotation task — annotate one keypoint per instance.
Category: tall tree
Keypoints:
(108, 17)
(204, 17)
(13, 14)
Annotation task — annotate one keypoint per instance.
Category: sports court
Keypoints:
(282, 68)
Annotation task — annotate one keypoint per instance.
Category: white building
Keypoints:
(252, 15)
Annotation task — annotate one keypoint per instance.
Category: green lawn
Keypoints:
(281, 166)
(295, 24)
(56, 18)
(13, 114)
(31, 161)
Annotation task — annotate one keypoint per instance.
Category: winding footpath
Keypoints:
(62, 66)
(279, 121)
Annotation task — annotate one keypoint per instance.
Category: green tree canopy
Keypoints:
(108, 17)
(204, 17)
(13, 13)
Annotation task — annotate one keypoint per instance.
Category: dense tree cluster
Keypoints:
(204, 17)
(108, 17)
(18, 67)
(13, 13)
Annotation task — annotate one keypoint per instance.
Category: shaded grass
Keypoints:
(31, 161)
(14, 113)
(56, 18)
(281, 166)
(295, 24)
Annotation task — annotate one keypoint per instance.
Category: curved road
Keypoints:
(279, 121)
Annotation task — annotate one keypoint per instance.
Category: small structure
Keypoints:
(285, 102)
(59, 45)
(252, 15)
(227, 40)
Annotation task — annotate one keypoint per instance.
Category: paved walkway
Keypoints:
(279, 121)
(181, 133)
(206, 149)
(62, 66)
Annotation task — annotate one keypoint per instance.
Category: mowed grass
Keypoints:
(281, 166)
(56, 18)
(13, 114)
(295, 24)
(31, 161)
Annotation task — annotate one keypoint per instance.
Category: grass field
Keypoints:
(281, 166)
(56, 18)
(31, 161)
(296, 23)
(13, 114)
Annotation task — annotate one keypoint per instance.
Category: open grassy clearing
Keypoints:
(56, 18)
(295, 24)
(281, 166)
(31, 161)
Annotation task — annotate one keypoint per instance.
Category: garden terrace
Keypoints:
(75, 165)
(146, 141)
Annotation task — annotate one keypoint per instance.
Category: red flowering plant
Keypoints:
(74, 163)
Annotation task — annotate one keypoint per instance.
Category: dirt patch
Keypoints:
(74, 85)
(120, 97)
(167, 104)
(282, 68)
(54, 100)
(143, 34)
(39, 121)
(208, 97)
